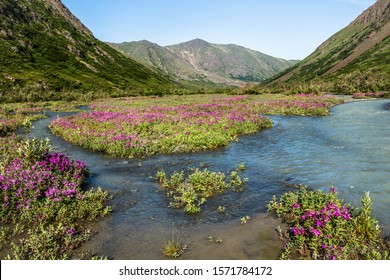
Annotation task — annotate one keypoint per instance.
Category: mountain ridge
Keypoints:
(358, 52)
(67, 14)
(198, 59)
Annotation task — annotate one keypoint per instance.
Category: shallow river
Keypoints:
(349, 149)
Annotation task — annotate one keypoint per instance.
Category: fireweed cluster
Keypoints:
(321, 226)
(300, 105)
(161, 129)
(360, 95)
(125, 130)
(42, 191)
(191, 192)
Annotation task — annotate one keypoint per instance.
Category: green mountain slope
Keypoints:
(198, 60)
(46, 52)
(355, 58)
(158, 57)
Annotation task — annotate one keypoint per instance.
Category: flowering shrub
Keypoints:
(300, 104)
(321, 226)
(7, 126)
(38, 177)
(359, 95)
(54, 177)
(44, 191)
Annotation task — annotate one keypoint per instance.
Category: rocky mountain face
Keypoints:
(46, 51)
(358, 54)
(198, 60)
(63, 11)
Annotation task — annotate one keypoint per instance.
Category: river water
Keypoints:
(349, 149)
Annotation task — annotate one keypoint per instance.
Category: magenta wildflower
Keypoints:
(319, 224)
(296, 205)
(298, 230)
(316, 232)
(295, 231)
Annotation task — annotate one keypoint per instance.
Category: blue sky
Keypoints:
(289, 29)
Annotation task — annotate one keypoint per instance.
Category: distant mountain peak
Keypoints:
(199, 60)
(196, 43)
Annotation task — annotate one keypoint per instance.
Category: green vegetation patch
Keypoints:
(191, 192)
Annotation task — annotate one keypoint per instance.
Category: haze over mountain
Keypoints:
(45, 48)
(198, 60)
(357, 57)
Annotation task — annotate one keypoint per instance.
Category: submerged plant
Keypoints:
(221, 209)
(215, 239)
(236, 182)
(173, 248)
(240, 167)
(191, 192)
(245, 219)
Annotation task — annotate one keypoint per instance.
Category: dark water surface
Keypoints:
(349, 149)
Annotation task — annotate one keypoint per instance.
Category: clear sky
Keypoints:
(289, 29)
